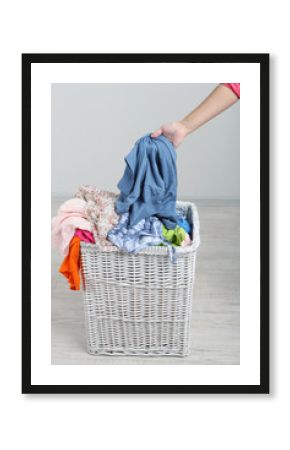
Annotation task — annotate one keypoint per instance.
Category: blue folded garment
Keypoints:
(149, 183)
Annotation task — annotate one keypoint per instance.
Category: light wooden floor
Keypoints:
(216, 303)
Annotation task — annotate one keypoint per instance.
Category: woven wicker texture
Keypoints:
(139, 304)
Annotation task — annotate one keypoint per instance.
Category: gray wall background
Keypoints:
(95, 125)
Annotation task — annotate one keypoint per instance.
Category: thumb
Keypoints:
(156, 133)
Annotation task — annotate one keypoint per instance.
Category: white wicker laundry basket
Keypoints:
(139, 304)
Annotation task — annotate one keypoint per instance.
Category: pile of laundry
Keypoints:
(142, 215)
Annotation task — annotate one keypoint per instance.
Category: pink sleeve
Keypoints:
(235, 87)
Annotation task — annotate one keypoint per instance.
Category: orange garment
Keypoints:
(70, 266)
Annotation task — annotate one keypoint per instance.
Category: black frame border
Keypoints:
(258, 58)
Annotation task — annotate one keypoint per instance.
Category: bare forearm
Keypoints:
(220, 99)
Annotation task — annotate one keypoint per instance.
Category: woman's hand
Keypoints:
(218, 100)
(175, 132)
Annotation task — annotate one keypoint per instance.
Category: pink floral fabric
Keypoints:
(100, 211)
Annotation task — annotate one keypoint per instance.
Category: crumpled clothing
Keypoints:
(100, 211)
(186, 241)
(182, 221)
(70, 266)
(176, 236)
(146, 233)
(85, 236)
(149, 183)
(71, 215)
